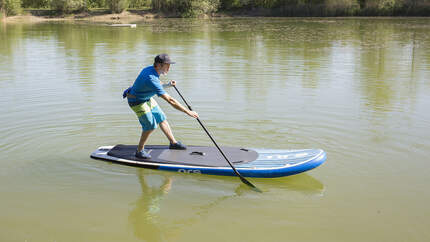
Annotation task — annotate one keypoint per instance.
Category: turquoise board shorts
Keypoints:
(149, 114)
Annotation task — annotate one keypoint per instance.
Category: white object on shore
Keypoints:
(123, 25)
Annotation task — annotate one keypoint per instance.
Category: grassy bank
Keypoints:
(198, 8)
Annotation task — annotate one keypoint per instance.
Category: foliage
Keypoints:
(35, 3)
(201, 7)
(196, 8)
(2, 9)
(341, 7)
(395, 7)
(117, 6)
(68, 6)
(380, 7)
(139, 3)
(10, 7)
(186, 8)
(235, 4)
(96, 3)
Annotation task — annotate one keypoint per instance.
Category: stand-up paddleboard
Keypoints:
(208, 160)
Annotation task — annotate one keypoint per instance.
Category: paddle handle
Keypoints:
(183, 99)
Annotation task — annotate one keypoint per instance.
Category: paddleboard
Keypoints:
(208, 160)
(123, 25)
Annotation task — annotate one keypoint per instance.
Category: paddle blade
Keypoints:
(250, 184)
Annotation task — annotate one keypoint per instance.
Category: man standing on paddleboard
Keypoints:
(141, 101)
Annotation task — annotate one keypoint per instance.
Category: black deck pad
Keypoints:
(193, 155)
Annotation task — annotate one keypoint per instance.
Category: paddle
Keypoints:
(222, 153)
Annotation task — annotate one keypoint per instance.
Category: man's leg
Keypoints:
(143, 138)
(165, 127)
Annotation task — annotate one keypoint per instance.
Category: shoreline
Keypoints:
(132, 15)
(92, 16)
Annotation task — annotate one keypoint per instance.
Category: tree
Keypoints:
(117, 6)
(68, 6)
(10, 7)
(2, 11)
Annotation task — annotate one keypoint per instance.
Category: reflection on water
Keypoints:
(356, 87)
(302, 183)
(146, 216)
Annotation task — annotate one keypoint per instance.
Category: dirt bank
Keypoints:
(92, 16)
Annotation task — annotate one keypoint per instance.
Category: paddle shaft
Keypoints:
(220, 150)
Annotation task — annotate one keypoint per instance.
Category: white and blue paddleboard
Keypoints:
(208, 160)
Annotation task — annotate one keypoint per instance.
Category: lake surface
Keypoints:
(357, 88)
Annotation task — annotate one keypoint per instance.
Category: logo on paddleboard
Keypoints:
(189, 171)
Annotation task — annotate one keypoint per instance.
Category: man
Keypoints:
(140, 99)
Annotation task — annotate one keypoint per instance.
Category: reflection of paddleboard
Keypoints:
(208, 160)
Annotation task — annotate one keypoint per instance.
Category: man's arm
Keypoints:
(171, 83)
(166, 85)
(178, 106)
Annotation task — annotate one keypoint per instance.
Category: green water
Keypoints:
(357, 88)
